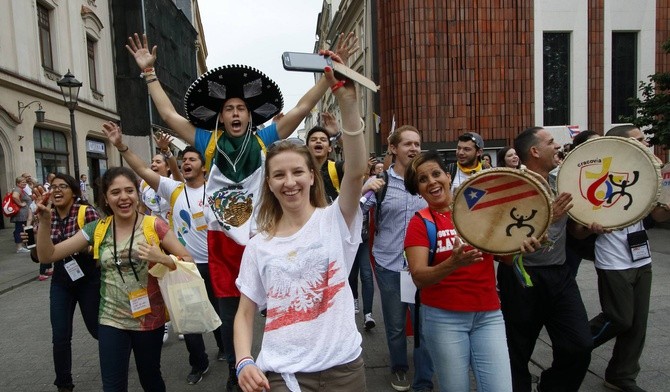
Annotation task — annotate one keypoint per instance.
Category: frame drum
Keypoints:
(664, 199)
(614, 181)
(497, 209)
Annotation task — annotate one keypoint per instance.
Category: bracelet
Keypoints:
(337, 85)
(356, 132)
(242, 365)
(149, 69)
(120, 150)
(146, 74)
(167, 155)
(242, 359)
(151, 80)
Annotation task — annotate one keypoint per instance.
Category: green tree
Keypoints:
(653, 108)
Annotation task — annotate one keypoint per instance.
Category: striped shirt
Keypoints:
(398, 207)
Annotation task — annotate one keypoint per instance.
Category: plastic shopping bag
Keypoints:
(185, 296)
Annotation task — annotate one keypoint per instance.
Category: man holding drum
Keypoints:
(623, 265)
(549, 296)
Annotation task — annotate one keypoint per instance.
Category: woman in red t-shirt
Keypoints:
(461, 322)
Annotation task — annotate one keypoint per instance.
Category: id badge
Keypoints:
(139, 302)
(199, 220)
(73, 269)
(407, 287)
(639, 245)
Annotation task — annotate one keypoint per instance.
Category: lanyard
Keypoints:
(130, 249)
(203, 195)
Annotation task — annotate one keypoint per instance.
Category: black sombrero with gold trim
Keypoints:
(204, 99)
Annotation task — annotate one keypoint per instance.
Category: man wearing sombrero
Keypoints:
(223, 105)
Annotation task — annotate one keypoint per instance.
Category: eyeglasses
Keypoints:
(62, 187)
(296, 141)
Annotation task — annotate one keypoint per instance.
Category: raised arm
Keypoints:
(113, 133)
(47, 252)
(287, 124)
(353, 145)
(163, 141)
(145, 59)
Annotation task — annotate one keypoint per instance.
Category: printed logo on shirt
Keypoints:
(302, 287)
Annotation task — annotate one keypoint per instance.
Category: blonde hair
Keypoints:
(269, 210)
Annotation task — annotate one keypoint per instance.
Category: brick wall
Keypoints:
(456, 66)
(596, 78)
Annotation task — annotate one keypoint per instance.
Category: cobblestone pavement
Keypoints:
(26, 361)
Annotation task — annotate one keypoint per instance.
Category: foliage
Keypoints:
(653, 108)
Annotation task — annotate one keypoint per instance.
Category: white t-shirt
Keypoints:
(159, 206)
(302, 280)
(613, 252)
(183, 223)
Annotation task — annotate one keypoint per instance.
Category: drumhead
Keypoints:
(497, 209)
(614, 181)
(664, 198)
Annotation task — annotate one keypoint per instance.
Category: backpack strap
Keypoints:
(431, 230)
(332, 173)
(210, 150)
(149, 229)
(99, 234)
(173, 199)
(260, 142)
(379, 196)
(81, 216)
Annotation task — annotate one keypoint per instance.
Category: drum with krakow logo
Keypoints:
(497, 209)
(614, 181)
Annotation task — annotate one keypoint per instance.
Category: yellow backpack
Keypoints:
(148, 227)
(332, 173)
(81, 216)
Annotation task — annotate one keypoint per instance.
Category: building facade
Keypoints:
(40, 41)
(498, 67)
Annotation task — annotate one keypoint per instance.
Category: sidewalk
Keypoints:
(26, 363)
(16, 269)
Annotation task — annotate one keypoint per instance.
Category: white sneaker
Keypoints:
(369, 322)
(356, 308)
(166, 334)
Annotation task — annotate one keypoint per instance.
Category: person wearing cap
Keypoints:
(468, 158)
(237, 97)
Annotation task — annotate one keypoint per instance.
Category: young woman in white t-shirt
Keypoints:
(297, 267)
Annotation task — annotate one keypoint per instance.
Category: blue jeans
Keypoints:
(62, 305)
(227, 309)
(115, 345)
(459, 340)
(395, 316)
(362, 264)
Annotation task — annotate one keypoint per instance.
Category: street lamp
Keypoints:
(69, 87)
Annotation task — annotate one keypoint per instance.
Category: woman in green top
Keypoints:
(127, 244)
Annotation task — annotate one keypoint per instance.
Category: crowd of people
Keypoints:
(277, 228)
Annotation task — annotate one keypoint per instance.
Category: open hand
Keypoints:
(561, 205)
(43, 202)
(113, 133)
(460, 257)
(140, 51)
(163, 140)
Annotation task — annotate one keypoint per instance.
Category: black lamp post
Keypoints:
(70, 86)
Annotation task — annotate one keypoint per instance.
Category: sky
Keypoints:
(257, 32)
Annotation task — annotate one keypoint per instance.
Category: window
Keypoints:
(90, 49)
(44, 26)
(556, 76)
(624, 74)
(51, 153)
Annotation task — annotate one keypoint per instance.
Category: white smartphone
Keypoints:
(305, 62)
(30, 243)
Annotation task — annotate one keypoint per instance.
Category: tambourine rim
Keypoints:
(524, 173)
(650, 157)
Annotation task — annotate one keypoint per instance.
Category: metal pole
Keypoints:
(74, 145)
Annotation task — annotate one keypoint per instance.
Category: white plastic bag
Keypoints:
(185, 296)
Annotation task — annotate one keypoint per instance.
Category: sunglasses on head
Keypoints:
(296, 141)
